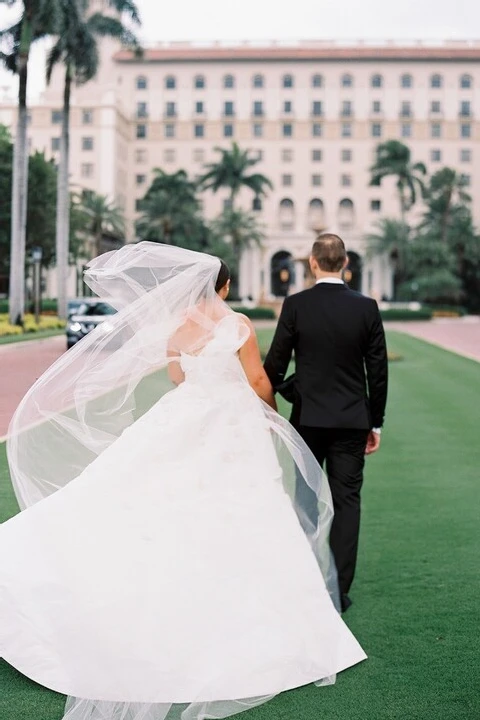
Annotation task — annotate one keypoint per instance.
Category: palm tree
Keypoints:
(76, 48)
(394, 158)
(99, 217)
(391, 240)
(38, 19)
(231, 171)
(446, 192)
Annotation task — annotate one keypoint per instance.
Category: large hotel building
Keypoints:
(312, 112)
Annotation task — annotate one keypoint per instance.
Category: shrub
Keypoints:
(256, 313)
(404, 314)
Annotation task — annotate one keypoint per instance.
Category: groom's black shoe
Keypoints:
(345, 603)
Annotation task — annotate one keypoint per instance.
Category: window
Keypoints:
(466, 180)
(406, 81)
(406, 109)
(228, 109)
(170, 82)
(465, 155)
(346, 81)
(199, 155)
(287, 130)
(169, 130)
(199, 108)
(87, 143)
(169, 155)
(287, 107)
(55, 144)
(199, 130)
(287, 180)
(317, 81)
(436, 81)
(140, 179)
(376, 81)
(57, 116)
(435, 106)
(376, 130)
(257, 204)
(346, 155)
(287, 155)
(406, 130)
(140, 156)
(138, 205)
(465, 108)
(435, 130)
(142, 110)
(345, 180)
(376, 106)
(287, 81)
(170, 109)
(317, 109)
(199, 82)
(258, 108)
(228, 81)
(375, 205)
(435, 155)
(141, 82)
(257, 130)
(346, 213)
(257, 81)
(286, 214)
(141, 132)
(317, 129)
(87, 117)
(346, 129)
(466, 82)
(465, 130)
(316, 180)
(86, 170)
(228, 130)
(258, 154)
(316, 155)
(347, 110)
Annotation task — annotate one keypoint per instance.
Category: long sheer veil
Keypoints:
(167, 305)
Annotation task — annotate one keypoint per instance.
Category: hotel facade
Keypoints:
(313, 113)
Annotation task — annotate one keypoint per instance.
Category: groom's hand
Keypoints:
(373, 442)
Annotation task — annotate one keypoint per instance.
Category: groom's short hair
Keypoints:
(329, 252)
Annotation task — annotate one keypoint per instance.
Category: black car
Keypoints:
(87, 316)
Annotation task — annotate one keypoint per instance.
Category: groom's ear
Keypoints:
(313, 264)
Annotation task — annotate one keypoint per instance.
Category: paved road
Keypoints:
(22, 363)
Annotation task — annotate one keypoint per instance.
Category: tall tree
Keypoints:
(393, 158)
(391, 239)
(232, 172)
(37, 20)
(99, 217)
(446, 192)
(76, 47)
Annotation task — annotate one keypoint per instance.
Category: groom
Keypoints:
(339, 389)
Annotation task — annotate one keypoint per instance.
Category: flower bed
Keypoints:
(46, 322)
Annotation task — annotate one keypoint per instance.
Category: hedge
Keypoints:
(256, 313)
(423, 314)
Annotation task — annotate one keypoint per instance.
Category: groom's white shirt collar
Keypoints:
(330, 280)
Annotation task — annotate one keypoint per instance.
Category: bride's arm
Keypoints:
(249, 355)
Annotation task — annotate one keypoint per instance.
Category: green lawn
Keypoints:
(416, 594)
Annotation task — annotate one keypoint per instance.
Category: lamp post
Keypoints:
(36, 259)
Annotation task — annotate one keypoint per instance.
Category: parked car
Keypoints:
(86, 317)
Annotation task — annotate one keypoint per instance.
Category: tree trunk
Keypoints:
(63, 202)
(19, 197)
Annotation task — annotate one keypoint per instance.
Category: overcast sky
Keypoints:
(296, 19)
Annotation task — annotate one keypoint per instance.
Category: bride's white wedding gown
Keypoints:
(174, 568)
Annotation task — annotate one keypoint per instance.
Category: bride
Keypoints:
(160, 568)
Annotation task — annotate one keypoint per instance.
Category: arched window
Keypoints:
(228, 81)
(316, 215)
(346, 81)
(436, 81)
(466, 82)
(287, 81)
(286, 214)
(199, 82)
(258, 81)
(257, 204)
(170, 82)
(376, 81)
(141, 82)
(317, 81)
(346, 214)
(406, 81)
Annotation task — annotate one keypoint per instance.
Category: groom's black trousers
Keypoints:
(341, 453)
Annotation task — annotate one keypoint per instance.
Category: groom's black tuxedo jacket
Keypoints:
(340, 355)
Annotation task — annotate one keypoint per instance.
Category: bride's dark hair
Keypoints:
(223, 276)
